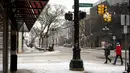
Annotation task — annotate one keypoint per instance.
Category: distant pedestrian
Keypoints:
(118, 53)
(107, 52)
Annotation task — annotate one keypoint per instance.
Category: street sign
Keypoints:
(84, 5)
(125, 20)
(125, 30)
(122, 19)
(114, 37)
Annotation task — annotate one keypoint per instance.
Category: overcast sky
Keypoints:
(68, 4)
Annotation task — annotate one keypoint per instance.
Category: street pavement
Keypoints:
(58, 61)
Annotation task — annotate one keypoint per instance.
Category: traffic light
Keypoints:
(82, 15)
(107, 17)
(101, 9)
(69, 16)
(105, 9)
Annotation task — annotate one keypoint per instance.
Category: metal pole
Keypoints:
(90, 35)
(5, 39)
(125, 47)
(76, 27)
(76, 31)
(76, 63)
(125, 52)
(114, 44)
(128, 69)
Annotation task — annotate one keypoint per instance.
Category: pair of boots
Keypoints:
(116, 59)
(115, 63)
(106, 61)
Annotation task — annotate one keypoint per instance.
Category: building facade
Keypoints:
(116, 8)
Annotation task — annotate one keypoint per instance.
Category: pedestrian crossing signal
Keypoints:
(69, 16)
(82, 15)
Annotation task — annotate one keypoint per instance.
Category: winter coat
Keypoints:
(118, 50)
(107, 51)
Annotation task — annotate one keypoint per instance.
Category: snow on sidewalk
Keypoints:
(63, 67)
(39, 53)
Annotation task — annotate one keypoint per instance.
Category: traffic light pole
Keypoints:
(128, 68)
(76, 63)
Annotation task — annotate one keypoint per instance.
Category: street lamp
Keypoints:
(91, 40)
(105, 28)
(114, 38)
(76, 63)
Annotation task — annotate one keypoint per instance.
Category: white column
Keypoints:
(20, 40)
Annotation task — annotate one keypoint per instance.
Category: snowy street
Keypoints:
(58, 62)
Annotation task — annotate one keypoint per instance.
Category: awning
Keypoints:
(25, 12)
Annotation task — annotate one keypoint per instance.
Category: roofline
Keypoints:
(111, 2)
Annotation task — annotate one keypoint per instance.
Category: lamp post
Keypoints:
(91, 40)
(105, 29)
(76, 63)
(114, 38)
(90, 35)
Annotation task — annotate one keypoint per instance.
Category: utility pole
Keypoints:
(76, 63)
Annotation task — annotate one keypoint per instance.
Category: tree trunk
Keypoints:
(39, 42)
(42, 42)
(46, 43)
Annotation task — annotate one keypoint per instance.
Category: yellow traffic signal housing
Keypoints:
(105, 9)
(107, 17)
(101, 9)
(109, 20)
(105, 20)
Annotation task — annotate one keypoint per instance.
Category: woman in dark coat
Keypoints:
(107, 53)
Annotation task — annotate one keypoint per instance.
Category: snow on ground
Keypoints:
(63, 67)
(39, 53)
(28, 49)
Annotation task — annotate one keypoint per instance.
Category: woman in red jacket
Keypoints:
(118, 53)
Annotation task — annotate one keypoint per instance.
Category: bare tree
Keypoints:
(82, 33)
(33, 34)
(49, 16)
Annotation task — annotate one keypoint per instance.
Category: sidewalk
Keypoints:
(22, 71)
(63, 67)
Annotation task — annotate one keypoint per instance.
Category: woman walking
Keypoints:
(118, 53)
(107, 53)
